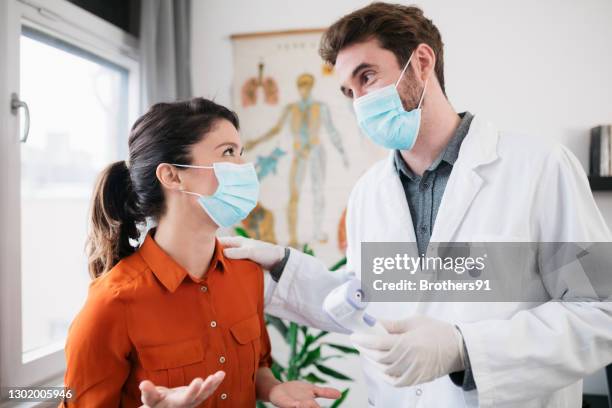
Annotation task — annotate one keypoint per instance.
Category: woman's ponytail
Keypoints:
(114, 219)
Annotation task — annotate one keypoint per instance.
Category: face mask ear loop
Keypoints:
(423, 94)
(404, 70)
(189, 192)
(192, 166)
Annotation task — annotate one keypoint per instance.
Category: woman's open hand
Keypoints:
(190, 396)
(299, 394)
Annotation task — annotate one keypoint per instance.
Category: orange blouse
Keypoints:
(144, 320)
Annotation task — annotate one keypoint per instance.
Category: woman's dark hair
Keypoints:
(126, 193)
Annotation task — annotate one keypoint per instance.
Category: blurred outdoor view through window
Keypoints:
(78, 108)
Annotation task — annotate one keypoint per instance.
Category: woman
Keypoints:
(160, 318)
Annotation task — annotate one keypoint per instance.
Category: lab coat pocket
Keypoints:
(166, 364)
(247, 333)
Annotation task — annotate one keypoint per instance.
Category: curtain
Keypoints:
(165, 46)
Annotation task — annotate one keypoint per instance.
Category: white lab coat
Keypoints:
(503, 187)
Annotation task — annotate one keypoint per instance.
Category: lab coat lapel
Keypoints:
(460, 191)
(398, 227)
(479, 148)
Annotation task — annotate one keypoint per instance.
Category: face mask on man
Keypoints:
(236, 195)
(382, 117)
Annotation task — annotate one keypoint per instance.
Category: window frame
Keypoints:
(68, 23)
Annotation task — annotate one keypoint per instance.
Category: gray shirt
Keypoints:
(424, 194)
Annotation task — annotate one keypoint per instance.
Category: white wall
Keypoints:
(539, 67)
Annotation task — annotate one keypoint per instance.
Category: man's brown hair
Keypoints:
(398, 28)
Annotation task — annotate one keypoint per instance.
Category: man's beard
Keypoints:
(410, 92)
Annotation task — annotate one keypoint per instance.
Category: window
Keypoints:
(79, 76)
(78, 104)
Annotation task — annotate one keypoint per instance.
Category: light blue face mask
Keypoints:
(382, 117)
(236, 195)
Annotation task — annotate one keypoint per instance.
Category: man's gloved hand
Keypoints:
(263, 253)
(416, 350)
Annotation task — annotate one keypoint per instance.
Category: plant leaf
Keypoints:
(341, 399)
(278, 324)
(338, 264)
(321, 334)
(277, 370)
(344, 349)
(241, 232)
(306, 346)
(291, 336)
(311, 357)
(307, 250)
(332, 373)
(315, 379)
(330, 357)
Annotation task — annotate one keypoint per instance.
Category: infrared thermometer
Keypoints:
(346, 307)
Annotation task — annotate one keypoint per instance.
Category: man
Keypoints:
(449, 178)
